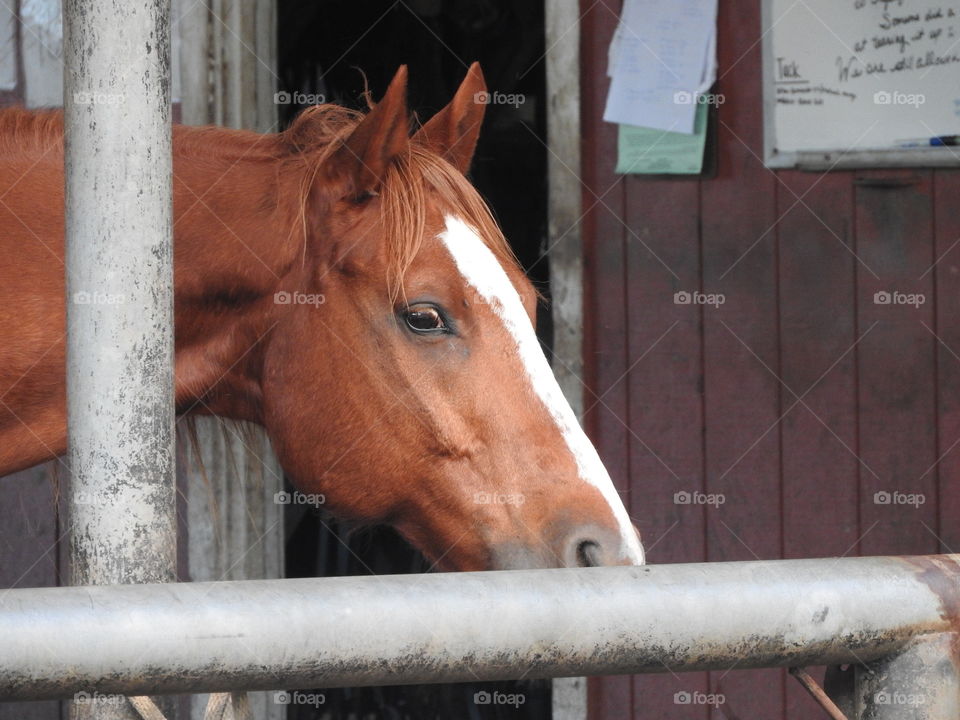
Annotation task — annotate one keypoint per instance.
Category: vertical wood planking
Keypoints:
(818, 334)
(742, 391)
(605, 336)
(666, 412)
(897, 372)
(946, 193)
(195, 63)
(41, 56)
(234, 523)
(9, 57)
(818, 362)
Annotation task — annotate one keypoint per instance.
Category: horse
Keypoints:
(342, 284)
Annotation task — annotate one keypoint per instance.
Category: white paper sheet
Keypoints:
(662, 55)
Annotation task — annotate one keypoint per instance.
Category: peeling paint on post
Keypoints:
(119, 296)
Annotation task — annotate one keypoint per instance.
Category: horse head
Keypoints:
(412, 390)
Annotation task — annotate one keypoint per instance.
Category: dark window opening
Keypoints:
(331, 49)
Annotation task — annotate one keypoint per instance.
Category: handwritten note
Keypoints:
(864, 74)
(661, 57)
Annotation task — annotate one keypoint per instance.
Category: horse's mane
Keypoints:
(415, 179)
(25, 131)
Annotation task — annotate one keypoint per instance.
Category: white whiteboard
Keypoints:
(851, 83)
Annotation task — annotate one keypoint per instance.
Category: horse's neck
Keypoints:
(233, 243)
(233, 220)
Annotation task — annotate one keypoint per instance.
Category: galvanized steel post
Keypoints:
(921, 682)
(119, 269)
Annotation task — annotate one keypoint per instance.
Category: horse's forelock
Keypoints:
(415, 180)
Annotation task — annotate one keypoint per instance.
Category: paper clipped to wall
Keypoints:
(662, 59)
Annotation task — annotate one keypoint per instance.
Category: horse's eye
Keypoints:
(424, 319)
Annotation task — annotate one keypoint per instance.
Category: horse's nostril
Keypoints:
(588, 554)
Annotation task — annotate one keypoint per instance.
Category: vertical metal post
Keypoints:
(119, 298)
(921, 682)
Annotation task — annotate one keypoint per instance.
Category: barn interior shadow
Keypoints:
(329, 50)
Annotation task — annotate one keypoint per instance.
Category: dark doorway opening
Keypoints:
(334, 50)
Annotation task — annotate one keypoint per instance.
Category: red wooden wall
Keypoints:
(799, 398)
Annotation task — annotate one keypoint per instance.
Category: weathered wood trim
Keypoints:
(228, 77)
(235, 524)
(562, 38)
(564, 205)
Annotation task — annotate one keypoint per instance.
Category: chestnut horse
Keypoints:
(343, 285)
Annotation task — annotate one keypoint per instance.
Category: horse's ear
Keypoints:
(452, 133)
(379, 138)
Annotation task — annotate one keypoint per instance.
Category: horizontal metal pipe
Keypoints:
(198, 637)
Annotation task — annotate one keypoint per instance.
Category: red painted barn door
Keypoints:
(800, 397)
(946, 229)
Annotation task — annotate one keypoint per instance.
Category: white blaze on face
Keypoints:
(481, 269)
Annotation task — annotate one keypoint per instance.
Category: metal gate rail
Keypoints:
(894, 617)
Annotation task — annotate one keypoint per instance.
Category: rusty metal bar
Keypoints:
(817, 693)
(270, 634)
